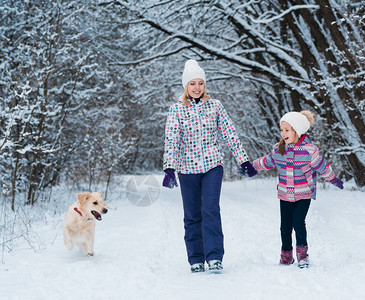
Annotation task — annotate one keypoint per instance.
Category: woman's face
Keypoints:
(288, 134)
(196, 88)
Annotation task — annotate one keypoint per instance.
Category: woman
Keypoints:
(194, 126)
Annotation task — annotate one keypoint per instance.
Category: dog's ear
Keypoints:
(82, 197)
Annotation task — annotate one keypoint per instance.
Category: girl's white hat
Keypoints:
(298, 121)
(192, 71)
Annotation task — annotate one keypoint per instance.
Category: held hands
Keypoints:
(169, 180)
(337, 182)
(247, 169)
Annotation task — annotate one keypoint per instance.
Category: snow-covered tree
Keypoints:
(33, 110)
(67, 106)
(41, 69)
(292, 55)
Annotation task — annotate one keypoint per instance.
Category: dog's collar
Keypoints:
(79, 212)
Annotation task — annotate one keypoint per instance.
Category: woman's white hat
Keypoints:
(192, 71)
(298, 121)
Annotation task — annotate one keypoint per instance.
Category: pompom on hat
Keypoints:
(298, 121)
(192, 71)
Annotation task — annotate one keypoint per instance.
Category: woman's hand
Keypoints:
(169, 180)
(247, 169)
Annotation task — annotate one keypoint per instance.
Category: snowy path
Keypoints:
(140, 253)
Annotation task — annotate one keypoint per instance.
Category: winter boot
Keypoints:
(302, 257)
(286, 257)
(198, 267)
(215, 265)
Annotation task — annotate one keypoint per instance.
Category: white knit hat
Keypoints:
(298, 121)
(192, 71)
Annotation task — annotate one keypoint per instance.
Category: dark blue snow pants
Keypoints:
(202, 218)
(293, 215)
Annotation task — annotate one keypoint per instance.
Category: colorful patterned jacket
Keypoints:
(193, 134)
(297, 169)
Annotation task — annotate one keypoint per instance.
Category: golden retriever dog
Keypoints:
(79, 222)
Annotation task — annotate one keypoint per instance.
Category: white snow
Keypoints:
(140, 251)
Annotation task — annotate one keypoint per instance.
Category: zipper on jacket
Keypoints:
(198, 115)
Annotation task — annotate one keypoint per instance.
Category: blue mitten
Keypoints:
(337, 182)
(247, 169)
(169, 180)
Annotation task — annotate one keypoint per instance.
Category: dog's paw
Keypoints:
(69, 245)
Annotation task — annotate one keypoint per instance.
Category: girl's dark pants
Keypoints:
(293, 215)
(202, 219)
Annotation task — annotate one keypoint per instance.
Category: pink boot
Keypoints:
(286, 257)
(302, 256)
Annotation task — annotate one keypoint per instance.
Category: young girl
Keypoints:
(298, 162)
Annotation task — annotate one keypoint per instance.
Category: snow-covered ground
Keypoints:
(140, 251)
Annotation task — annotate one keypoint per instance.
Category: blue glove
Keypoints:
(169, 180)
(337, 182)
(247, 169)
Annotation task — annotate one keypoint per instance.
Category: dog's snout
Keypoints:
(105, 211)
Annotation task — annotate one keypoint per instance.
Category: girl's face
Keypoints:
(196, 88)
(288, 134)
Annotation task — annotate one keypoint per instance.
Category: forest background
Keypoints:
(85, 86)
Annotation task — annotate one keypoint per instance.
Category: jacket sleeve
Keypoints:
(171, 139)
(320, 165)
(266, 162)
(229, 135)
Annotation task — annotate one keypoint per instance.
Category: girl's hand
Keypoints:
(337, 182)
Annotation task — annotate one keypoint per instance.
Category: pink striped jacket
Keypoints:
(297, 169)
